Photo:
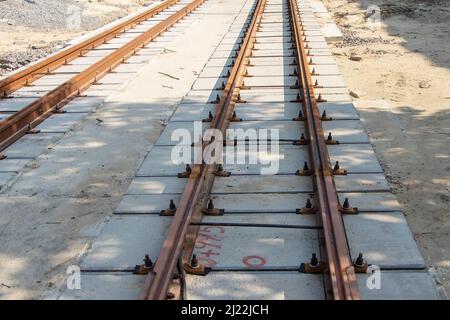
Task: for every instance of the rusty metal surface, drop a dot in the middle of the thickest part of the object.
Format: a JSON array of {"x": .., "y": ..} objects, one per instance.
[
  {"x": 29, "y": 117},
  {"x": 158, "y": 280},
  {"x": 337, "y": 254}
]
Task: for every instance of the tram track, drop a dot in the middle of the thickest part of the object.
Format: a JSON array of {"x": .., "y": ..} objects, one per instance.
[{"x": 227, "y": 230}]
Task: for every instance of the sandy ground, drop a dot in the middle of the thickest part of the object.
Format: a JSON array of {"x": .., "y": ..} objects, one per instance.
[{"x": 403, "y": 84}]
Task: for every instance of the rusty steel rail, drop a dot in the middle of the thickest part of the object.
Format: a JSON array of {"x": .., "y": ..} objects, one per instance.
[
  {"x": 46, "y": 66},
  {"x": 337, "y": 254},
  {"x": 160, "y": 276},
  {"x": 15, "y": 126}
]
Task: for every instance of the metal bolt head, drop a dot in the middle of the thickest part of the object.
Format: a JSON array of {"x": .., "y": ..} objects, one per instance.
[
  {"x": 210, "y": 204},
  {"x": 305, "y": 166},
  {"x": 194, "y": 261},
  {"x": 308, "y": 204},
  {"x": 346, "y": 204},
  {"x": 360, "y": 260},
  {"x": 172, "y": 205},
  {"x": 314, "y": 261}
]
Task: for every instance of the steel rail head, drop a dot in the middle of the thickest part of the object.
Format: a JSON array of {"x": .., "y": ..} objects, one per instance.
[
  {"x": 338, "y": 259},
  {"x": 15, "y": 126},
  {"x": 157, "y": 281},
  {"x": 33, "y": 72}
]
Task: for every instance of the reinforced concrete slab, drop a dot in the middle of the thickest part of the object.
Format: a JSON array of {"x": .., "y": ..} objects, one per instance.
[
  {"x": 361, "y": 182},
  {"x": 60, "y": 122},
  {"x": 346, "y": 131},
  {"x": 324, "y": 69},
  {"x": 106, "y": 286},
  {"x": 383, "y": 238},
  {"x": 6, "y": 178},
  {"x": 399, "y": 285},
  {"x": 12, "y": 165},
  {"x": 159, "y": 162},
  {"x": 268, "y": 111},
  {"x": 322, "y": 60},
  {"x": 335, "y": 81},
  {"x": 14, "y": 104},
  {"x": 260, "y": 202},
  {"x": 287, "y": 130},
  {"x": 286, "y": 160},
  {"x": 215, "y": 72},
  {"x": 355, "y": 158},
  {"x": 124, "y": 240},
  {"x": 83, "y": 105},
  {"x": 255, "y": 286},
  {"x": 193, "y": 112},
  {"x": 31, "y": 146},
  {"x": 247, "y": 247},
  {"x": 272, "y": 70},
  {"x": 201, "y": 96},
  {"x": 371, "y": 202},
  {"x": 286, "y": 219},
  {"x": 156, "y": 185},
  {"x": 268, "y": 81},
  {"x": 262, "y": 184},
  {"x": 148, "y": 203},
  {"x": 338, "y": 97},
  {"x": 258, "y": 96},
  {"x": 339, "y": 110},
  {"x": 178, "y": 130}
]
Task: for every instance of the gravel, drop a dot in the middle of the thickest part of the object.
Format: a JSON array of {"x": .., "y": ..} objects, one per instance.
[
  {"x": 51, "y": 14},
  {"x": 12, "y": 60}
]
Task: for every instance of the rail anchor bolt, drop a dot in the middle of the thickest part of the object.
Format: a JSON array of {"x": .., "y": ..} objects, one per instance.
[
  {"x": 169, "y": 211},
  {"x": 196, "y": 268},
  {"x": 211, "y": 211},
  {"x": 186, "y": 173},
  {"x": 330, "y": 139},
  {"x": 145, "y": 267},
  {"x": 209, "y": 119},
  {"x": 235, "y": 118},
  {"x": 320, "y": 98},
  {"x": 360, "y": 264},
  {"x": 296, "y": 85},
  {"x": 297, "y": 99},
  {"x": 338, "y": 171},
  {"x": 217, "y": 100},
  {"x": 314, "y": 266},
  {"x": 308, "y": 209},
  {"x": 302, "y": 141},
  {"x": 346, "y": 209},
  {"x": 220, "y": 172},
  {"x": 324, "y": 116},
  {"x": 305, "y": 171},
  {"x": 299, "y": 117}
]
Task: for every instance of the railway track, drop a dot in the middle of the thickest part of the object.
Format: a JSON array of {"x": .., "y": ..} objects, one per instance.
[
  {"x": 43, "y": 88},
  {"x": 297, "y": 223}
]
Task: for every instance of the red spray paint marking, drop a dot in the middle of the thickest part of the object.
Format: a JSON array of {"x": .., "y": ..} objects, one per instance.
[{"x": 254, "y": 261}]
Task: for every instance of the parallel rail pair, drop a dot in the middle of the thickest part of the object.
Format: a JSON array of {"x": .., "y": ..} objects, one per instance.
[{"x": 339, "y": 269}]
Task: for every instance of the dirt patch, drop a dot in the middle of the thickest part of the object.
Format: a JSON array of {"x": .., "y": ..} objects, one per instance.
[{"x": 400, "y": 71}]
